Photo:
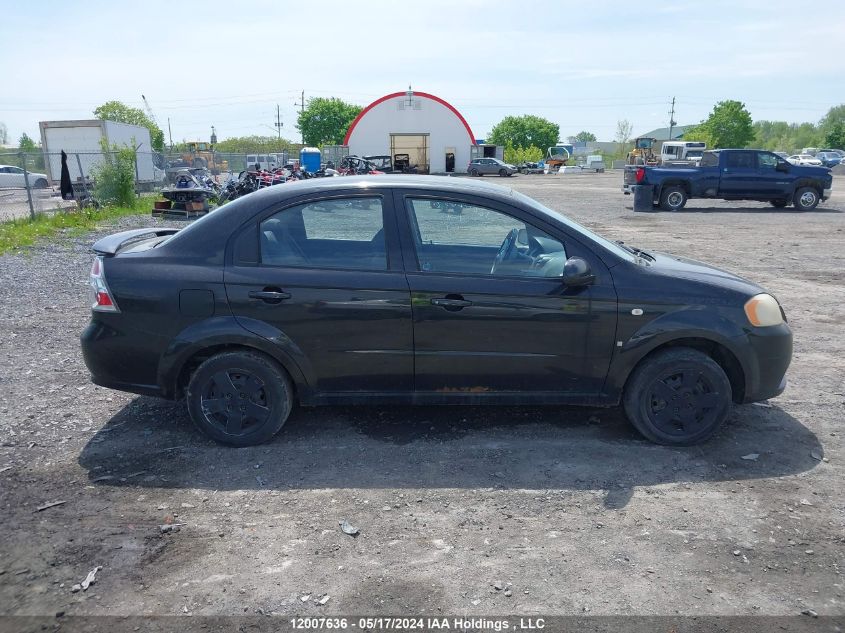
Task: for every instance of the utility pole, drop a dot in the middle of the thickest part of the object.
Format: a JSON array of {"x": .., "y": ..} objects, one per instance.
[
  {"x": 170, "y": 134},
  {"x": 278, "y": 123},
  {"x": 301, "y": 104},
  {"x": 672, "y": 122}
]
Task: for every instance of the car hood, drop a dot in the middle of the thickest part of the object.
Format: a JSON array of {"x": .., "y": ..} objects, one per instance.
[{"x": 683, "y": 268}]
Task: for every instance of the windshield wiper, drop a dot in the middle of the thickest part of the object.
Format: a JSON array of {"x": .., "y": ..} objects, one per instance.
[{"x": 635, "y": 251}]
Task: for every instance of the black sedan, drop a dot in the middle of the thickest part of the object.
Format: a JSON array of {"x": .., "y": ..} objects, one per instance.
[{"x": 422, "y": 290}]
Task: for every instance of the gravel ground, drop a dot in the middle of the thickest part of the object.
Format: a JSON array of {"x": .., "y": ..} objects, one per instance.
[{"x": 461, "y": 510}]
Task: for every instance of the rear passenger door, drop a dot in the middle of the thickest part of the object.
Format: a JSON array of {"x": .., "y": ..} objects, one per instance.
[
  {"x": 739, "y": 177},
  {"x": 323, "y": 279}
]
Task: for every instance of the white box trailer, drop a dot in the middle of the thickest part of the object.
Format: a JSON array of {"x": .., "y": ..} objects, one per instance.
[{"x": 83, "y": 138}]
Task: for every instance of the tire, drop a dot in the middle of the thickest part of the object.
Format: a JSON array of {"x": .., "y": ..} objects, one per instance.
[
  {"x": 40, "y": 184},
  {"x": 779, "y": 204},
  {"x": 473, "y": 172},
  {"x": 806, "y": 199},
  {"x": 694, "y": 382},
  {"x": 673, "y": 199},
  {"x": 503, "y": 172},
  {"x": 248, "y": 377}
]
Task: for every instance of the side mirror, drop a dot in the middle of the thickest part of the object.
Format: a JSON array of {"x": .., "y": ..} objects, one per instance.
[
  {"x": 577, "y": 272},
  {"x": 782, "y": 166}
]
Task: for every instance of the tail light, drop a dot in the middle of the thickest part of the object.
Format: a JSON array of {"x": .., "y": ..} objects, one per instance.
[
  {"x": 101, "y": 297},
  {"x": 640, "y": 174}
]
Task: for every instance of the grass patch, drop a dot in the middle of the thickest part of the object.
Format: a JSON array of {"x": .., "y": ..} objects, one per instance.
[{"x": 21, "y": 232}]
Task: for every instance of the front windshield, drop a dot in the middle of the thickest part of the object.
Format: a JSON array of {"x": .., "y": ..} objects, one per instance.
[{"x": 613, "y": 247}]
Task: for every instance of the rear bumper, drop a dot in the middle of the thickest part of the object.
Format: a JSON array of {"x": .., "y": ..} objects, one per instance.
[
  {"x": 626, "y": 189},
  {"x": 115, "y": 363},
  {"x": 770, "y": 352}
]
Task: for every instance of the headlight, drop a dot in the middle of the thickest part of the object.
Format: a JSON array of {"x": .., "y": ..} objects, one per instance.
[{"x": 763, "y": 310}]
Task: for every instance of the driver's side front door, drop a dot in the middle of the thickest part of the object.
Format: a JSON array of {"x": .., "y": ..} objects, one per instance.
[{"x": 484, "y": 331}]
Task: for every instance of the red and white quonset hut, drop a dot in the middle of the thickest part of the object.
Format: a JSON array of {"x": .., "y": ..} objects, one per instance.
[{"x": 431, "y": 131}]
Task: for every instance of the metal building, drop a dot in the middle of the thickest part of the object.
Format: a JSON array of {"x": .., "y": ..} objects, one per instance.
[{"x": 430, "y": 131}]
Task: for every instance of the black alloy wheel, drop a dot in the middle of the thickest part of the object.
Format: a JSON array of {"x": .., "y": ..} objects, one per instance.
[
  {"x": 239, "y": 398},
  {"x": 678, "y": 396}
]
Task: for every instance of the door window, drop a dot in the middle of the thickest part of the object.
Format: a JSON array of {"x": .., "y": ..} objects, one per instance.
[
  {"x": 460, "y": 237},
  {"x": 767, "y": 161},
  {"x": 740, "y": 160},
  {"x": 344, "y": 233}
]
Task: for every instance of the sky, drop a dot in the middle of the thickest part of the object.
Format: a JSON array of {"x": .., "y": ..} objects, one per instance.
[{"x": 582, "y": 65}]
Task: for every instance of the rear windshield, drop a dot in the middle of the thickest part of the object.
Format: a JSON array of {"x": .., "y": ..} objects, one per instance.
[{"x": 709, "y": 159}]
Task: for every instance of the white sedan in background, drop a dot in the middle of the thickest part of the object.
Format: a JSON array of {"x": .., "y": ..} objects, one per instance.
[
  {"x": 804, "y": 159},
  {"x": 11, "y": 176}
]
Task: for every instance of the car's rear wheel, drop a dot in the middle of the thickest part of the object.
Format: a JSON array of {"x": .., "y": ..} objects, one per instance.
[
  {"x": 673, "y": 199},
  {"x": 780, "y": 204},
  {"x": 240, "y": 398},
  {"x": 806, "y": 199},
  {"x": 678, "y": 397},
  {"x": 473, "y": 172}
]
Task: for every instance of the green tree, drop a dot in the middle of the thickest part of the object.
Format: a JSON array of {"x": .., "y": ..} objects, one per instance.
[
  {"x": 789, "y": 137},
  {"x": 26, "y": 144},
  {"x": 122, "y": 113},
  {"x": 324, "y": 121},
  {"x": 729, "y": 125},
  {"x": 114, "y": 176},
  {"x": 585, "y": 137},
  {"x": 525, "y": 131},
  {"x": 253, "y": 144},
  {"x": 835, "y": 115},
  {"x": 835, "y": 138},
  {"x": 518, "y": 155}
]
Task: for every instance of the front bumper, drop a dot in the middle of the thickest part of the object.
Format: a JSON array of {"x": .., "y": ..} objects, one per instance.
[{"x": 769, "y": 354}]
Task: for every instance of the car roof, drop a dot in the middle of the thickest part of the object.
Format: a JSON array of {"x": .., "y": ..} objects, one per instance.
[{"x": 403, "y": 181}]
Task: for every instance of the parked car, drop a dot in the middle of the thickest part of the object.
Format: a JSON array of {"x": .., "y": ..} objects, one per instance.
[
  {"x": 11, "y": 176},
  {"x": 829, "y": 159},
  {"x": 783, "y": 155},
  {"x": 365, "y": 290},
  {"x": 482, "y": 166},
  {"x": 734, "y": 174},
  {"x": 804, "y": 159}
]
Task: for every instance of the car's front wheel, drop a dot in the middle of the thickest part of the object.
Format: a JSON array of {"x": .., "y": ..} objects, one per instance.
[
  {"x": 473, "y": 172},
  {"x": 678, "y": 397},
  {"x": 806, "y": 199},
  {"x": 41, "y": 183},
  {"x": 503, "y": 172},
  {"x": 239, "y": 398}
]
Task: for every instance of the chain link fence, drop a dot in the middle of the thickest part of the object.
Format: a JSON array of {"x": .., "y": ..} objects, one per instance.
[{"x": 30, "y": 182}]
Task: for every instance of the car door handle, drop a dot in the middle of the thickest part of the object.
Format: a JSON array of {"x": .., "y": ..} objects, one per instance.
[
  {"x": 451, "y": 303},
  {"x": 270, "y": 296}
]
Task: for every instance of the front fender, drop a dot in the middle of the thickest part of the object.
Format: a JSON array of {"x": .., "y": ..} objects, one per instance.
[
  {"x": 218, "y": 332},
  {"x": 713, "y": 325}
]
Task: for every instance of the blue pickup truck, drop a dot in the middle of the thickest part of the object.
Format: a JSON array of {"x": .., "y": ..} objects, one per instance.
[{"x": 735, "y": 174}]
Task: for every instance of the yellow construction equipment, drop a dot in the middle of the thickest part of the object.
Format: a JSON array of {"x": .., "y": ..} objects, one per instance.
[{"x": 643, "y": 152}]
